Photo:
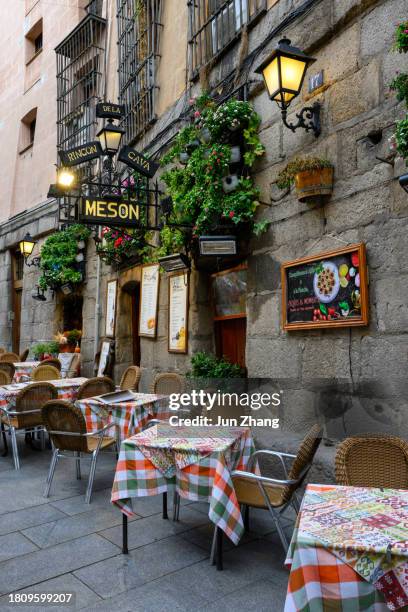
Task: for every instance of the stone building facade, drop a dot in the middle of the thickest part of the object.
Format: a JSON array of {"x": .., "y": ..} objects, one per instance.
[{"x": 351, "y": 41}]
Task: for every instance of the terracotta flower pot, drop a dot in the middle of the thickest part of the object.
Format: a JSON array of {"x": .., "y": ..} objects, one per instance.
[{"x": 312, "y": 185}]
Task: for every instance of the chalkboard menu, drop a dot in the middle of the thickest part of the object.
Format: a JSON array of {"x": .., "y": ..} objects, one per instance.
[{"x": 326, "y": 290}]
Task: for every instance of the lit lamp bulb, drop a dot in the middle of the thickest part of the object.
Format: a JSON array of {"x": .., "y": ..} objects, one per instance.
[{"x": 65, "y": 178}]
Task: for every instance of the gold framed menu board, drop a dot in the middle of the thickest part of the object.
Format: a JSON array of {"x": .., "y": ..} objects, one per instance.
[
  {"x": 326, "y": 290},
  {"x": 178, "y": 312},
  {"x": 149, "y": 298}
]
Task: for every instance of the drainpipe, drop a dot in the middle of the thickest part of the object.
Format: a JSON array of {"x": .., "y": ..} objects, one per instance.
[{"x": 97, "y": 301}]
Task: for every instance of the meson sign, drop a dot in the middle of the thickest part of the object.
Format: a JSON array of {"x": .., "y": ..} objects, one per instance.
[{"x": 113, "y": 212}]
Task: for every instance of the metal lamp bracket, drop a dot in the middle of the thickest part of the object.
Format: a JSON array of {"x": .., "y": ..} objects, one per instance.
[{"x": 308, "y": 119}]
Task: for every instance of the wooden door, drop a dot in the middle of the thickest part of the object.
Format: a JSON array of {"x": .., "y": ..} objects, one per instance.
[{"x": 230, "y": 340}]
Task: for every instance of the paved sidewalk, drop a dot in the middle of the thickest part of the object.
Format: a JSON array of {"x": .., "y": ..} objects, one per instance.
[{"x": 63, "y": 545}]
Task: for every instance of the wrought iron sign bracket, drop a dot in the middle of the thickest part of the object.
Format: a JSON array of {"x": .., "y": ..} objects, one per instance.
[{"x": 308, "y": 119}]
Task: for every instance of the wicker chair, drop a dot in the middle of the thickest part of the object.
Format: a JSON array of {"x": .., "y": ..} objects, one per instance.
[
  {"x": 130, "y": 379},
  {"x": 95, "y": 386},
  {"x": 4, "y": 378},
  {"x": 8, "y": 368},
  {"x": 66, "y": 426},
  {"x": 9, "y": 357},
  {"x": 52, "y": 361},
  {"x": 24, "y": 355},
  {"x": 45, "y": 372},
  {"x": 2, "y": 350},
  {"x": 167, "y": 383},
  {"x": 27, "y": 412},
  {"x": 272, "y": 494},
  {"x": 372, "y": 460}
]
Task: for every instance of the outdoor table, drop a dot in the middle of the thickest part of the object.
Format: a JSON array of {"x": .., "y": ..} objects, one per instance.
[
  {"x": 24, "y": 369},
  {"x": 130, "y": 417},
  {"x": 349, "y": 550},
  {"x": 198, "y": 461},
  {"x": 67, "y": 390}
]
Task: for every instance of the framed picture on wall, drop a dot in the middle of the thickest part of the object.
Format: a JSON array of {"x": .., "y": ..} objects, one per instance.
[
  {"x": 178, "y": 313},
  {"x": 110, "y": 321},
  {"x": 326, "y": 290},
  {"x": 149, "y": 299}
]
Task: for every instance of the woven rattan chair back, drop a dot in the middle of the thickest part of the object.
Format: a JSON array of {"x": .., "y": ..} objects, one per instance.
[
  {"x": 167, "y": 383},
  {"x": 4, "y": 378},
  {"x": 2, "y": 350},
  {"x": 95, "y": 386},
  {"x": 24, "y": 355},
  {"x": 59, "y": 415},
  {"x": 33, "y": 397},
  {"x": 45, "y": 372},
  {"x": 52, "y": 361},
  {"x": 130, "y": 379},
  {"x": 304, "y": 456},
  {"x": 9, "y": 357},
  {"x": 8, "y": 368},
  {"x": 372, "y": 460}
]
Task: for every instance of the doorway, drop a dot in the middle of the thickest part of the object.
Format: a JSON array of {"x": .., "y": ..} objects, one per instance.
[
  {"x": 132, "y": 288},
  {"x": 17, "y": 295}
]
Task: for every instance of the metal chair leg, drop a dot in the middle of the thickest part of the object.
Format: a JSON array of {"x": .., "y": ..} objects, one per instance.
[
  {"x": 78, "y": 465},
  {"x": 3, "y": 433},
  {"x": 53, "y": 465},
  {"x": 91, "y": 478},
  {"x": 220, "y": 534},
  {"x": 14, "y": 446},
  {"x": 281, "y": 532},
  {"x": 165, "y": 515},
  {"x": 125, "y": 549},
  {"x": 213, "y": 547},
  {"x": 42, "y": 439}
]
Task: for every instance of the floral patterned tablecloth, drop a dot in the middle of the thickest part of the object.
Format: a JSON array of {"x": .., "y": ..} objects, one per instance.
[
  {"x": 67, "y": 390},
  {"x": 197, "y": 460},
  {"x": 349, "y": 550},
  {"x": 130, "y": 417},
  {"x": 24, "y": 370}
]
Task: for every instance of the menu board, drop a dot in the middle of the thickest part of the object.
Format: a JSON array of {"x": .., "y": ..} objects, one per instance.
[
  {"x": 110, "y": 308},
  {"x": 178, "y": 313},
  {"x": 229, "y": 290},
  {"x": 149, "y": 295},
  {"x": 103, "y": 359},
  {"x": 326, "y": 290}
]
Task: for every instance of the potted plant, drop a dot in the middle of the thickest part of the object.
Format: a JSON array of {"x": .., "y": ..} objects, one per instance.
[
  {"x": 401, "y": 37},
  {"x": 312, "y": 176},
  {"x": 209, "y": 367},
  {"x": 400, "y": 85},
  {"x": 401, "y": 138},
  {"x": 39, "y": 350}
]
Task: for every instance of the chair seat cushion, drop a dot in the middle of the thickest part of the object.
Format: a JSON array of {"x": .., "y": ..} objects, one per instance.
[
  {"x": 249, "y": 493},
  {"x": 93, "y": 443},
  {"x": 13, "y": 421}
]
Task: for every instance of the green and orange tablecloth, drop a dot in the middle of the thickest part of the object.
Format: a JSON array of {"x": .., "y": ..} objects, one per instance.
[
  {"x": 24, "y": 369},
  {"x": 198, "y": 461},
  {"x": 67, "y": 390},
  {"x": 349, "y": 551}
]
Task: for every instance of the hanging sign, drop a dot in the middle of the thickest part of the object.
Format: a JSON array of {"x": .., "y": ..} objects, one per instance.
[
  {"x": 149, "y": 298},
  {"x": 81, "y": 154},
  {"x": 109, "y": 211},
  {"x": 178, "y": 313},
  {"x": 107, "y": 110},
  {"x": 326, "y": 290},
  {"x": 138, "y": 161}
]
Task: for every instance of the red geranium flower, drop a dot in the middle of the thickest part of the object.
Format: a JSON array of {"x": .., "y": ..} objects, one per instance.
[
  {"x": 232, "y": 214},
  {"x": 118, "y": 242}
]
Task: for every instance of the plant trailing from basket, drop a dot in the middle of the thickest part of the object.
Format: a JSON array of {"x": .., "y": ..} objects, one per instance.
[
  {"x": 401, "y": 37},
  {"x": 58, "y": 257},
  {"x": 208, "y": 366},
  {"x": 286, "y": 177},
  {"x": 401, "y": 138},
  {"x": 200, "y": 204},
  {"x": 117, "y": 245},
  {"x": 400, "y": 85}
]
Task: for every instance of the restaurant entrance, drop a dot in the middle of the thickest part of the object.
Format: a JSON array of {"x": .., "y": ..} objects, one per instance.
[{"x": 132, "y": 288}]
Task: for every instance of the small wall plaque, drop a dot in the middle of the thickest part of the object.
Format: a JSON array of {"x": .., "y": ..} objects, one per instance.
[{"x": 315, "y": 81}]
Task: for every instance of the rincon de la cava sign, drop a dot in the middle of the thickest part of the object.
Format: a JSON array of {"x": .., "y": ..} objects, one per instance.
[
  {"x": 81, "y": 154},
  {"x": 109, "y": 212},
  {"x": 108, "y": 110},
  {"x": 138, "y": 161}
]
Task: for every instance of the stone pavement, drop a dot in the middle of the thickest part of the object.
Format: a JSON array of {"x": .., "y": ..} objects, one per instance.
[{"x": 63, "y": 545}]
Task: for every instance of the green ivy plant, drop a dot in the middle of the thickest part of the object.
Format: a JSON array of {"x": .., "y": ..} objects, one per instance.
[
  {"x": 401, "y": 37},
  {"x": 400, "y": 85},
  {"x": 401, "y": 138},
  {"x": 286, "y": 177},
  {"x": 58, "y": 265},
  {"x": 200, "y": 204}
]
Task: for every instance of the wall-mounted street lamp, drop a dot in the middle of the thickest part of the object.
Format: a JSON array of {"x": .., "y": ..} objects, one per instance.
[
  {"x": 284, "y": 72},
  {"x": 403, "y": 181},
  {"x": 65, "y": 178},
  {"x": 109, "y": 137},
  {"x": 27, "y": 245}
]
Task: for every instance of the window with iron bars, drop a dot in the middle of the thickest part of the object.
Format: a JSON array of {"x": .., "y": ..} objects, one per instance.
[
  {"x": 139, "y": 29},
  {"x": 215, "y": 24},
  {"x": 80, "y": 69}
]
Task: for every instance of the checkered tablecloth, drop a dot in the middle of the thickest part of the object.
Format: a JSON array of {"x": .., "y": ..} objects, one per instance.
[
  {"x": 67, "y": 389},
  {"x": 24, "y": 369},
  {"x": 349, "y": 551},
  {"x": 197, "y": 460},
  {"x": 130, "y": 417}
]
